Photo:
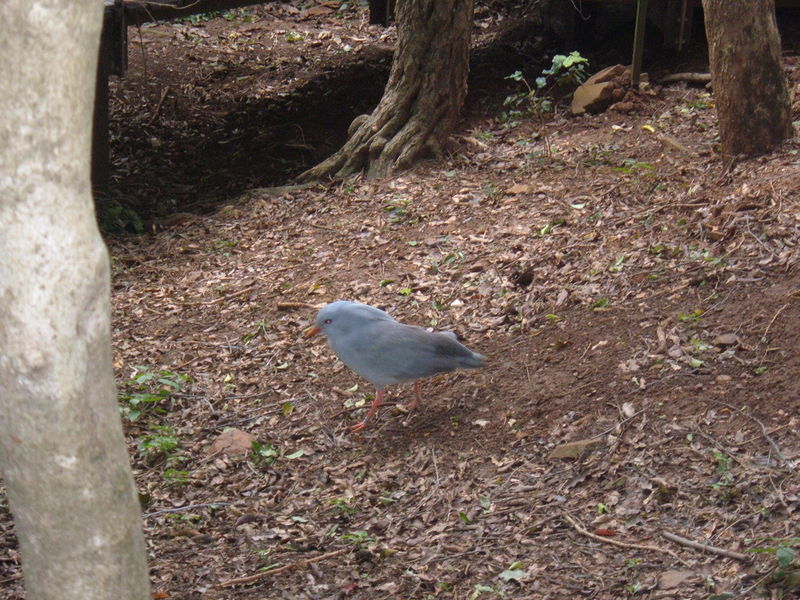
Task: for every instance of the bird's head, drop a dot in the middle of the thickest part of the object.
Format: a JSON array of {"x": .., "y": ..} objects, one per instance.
[{"x": 342, "y": 315}]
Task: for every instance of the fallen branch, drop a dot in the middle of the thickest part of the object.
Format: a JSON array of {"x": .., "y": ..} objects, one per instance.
[
  {"x": 613, "y": 542},
  {"x": 690, "y": 77},
  {"x": 295, "y": 565},
  {"x": 705, "y": 547}
]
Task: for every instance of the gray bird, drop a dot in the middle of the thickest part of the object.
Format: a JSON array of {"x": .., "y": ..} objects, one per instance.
[{"x": 385, "y": 352}]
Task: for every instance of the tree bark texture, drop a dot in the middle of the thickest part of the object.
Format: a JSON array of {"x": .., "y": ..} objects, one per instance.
[
  {"x": 750, "y": 89},
  {"x": 62, "y": 451},
  {"x": 422, "y": 99}
]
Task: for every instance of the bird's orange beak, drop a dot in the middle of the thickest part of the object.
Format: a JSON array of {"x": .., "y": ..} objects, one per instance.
[{"x": 312, "y": 331}]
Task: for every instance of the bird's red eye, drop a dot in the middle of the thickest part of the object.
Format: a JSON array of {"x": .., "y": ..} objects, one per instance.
[{"x": 327, "y": 321}]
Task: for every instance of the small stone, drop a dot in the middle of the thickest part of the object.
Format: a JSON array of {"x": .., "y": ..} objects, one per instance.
[
  {"x": 592, "y": 97},
  {"x": 608, "y": 74},
  {"x": 574, "y": 449},
  {"x": 232, "y": 442},
  {"x": 726, "y": 339},
  {"x": 675, "y": 352}
]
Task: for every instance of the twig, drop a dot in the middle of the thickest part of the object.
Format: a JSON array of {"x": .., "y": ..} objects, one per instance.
[
  {"x": 780, "y": 310},
  {"x": 295, "y": 565},
  {"x": 613, "y": 542},
  {"x": 763, "y": 429},
  {"x": 152, "y": 118},
  {"x": 187, "y": 507},
  {"x": 705, "y": 547}
]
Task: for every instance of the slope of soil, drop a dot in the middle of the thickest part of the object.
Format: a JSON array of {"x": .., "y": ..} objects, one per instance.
[{"x": 634, "y": 296}]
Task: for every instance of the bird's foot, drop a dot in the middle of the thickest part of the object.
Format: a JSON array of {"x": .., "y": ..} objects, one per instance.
[
  {"x": 358, "y": 426},
  {"x": 407, "y": 408}
]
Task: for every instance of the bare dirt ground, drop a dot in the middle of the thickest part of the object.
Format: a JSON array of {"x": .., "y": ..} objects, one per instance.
[{"x": 633, "y": 294}]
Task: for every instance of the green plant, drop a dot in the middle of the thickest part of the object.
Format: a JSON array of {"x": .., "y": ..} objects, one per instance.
[
  {"x": 160, "y": 442},
  {"x": 198, "y": 18},
  {"x": 786, "y": 571},
  {"x": 565, "y": 71},
  {"x": 114, "y": 217},
  {"x": 345, "y": 504},
  {"x": 264, "y": 452},
  {"x": 358, "y": 538},
  {"x": 631, "y": 165},
  {"x": 692, "y": 317},
  {"x": 260, "y": 328},
  {"x": 176, "y": 477},
  {"x": 633, "y": 588},
  {"x": 147, "y": 391},
  {"x": 723, "y": 486}
]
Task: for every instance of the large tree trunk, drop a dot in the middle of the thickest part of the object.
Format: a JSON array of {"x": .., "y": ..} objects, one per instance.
[
  {"x": 423, "y": 98},
  {"x": 750, "y": 89},
  {"x": 62, "y": 451}
]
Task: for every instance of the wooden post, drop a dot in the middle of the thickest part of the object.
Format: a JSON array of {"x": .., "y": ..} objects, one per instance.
[{"x": 638, "y": 41}]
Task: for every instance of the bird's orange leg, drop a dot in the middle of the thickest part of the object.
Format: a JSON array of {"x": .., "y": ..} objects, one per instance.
[
  {"x": 372, "y": 410},
  {"x": 417, "y": 397}
]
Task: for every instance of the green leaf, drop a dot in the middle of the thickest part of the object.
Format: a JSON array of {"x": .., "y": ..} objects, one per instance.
[
  {"x": 785, "y": 556},
  {"x": 287, "y": 408},
  {"x": 464, "y": 518},
  {"x": 480, "y": 589},
  {"x": 405, "y": 291},
  {"x": 294, "y": 455},
  {"x": 513, "y": 575}
]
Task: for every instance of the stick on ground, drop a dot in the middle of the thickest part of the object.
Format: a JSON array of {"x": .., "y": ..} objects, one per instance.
[
  {"x": 705, "y": 547},
  {"x": 607, "y": 540}
]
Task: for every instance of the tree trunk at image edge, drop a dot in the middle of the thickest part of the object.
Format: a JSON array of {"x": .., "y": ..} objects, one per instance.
[
  {"x": 423, "y": 97},
  {"x": 750, "y": 90},
  {"x": 62, "y": 452}
]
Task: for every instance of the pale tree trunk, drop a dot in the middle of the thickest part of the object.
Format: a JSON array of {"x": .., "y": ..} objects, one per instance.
[
  {"x": 423, "y": 97},
  {"x": 62, "y": 452},
  {"x": 750, "y": 90}
]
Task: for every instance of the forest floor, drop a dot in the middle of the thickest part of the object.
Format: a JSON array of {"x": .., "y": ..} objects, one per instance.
[{"x": 637, "y": 298}]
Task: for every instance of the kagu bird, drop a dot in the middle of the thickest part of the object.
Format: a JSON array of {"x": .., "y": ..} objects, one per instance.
[{"x": 385, "y": 352}]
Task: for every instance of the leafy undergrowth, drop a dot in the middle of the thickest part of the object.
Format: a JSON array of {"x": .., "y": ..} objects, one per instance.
[{"x": 635, "y": 299}]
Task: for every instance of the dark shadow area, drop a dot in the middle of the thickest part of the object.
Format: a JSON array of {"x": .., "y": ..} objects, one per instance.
[{"x": 195, "y": 158}]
